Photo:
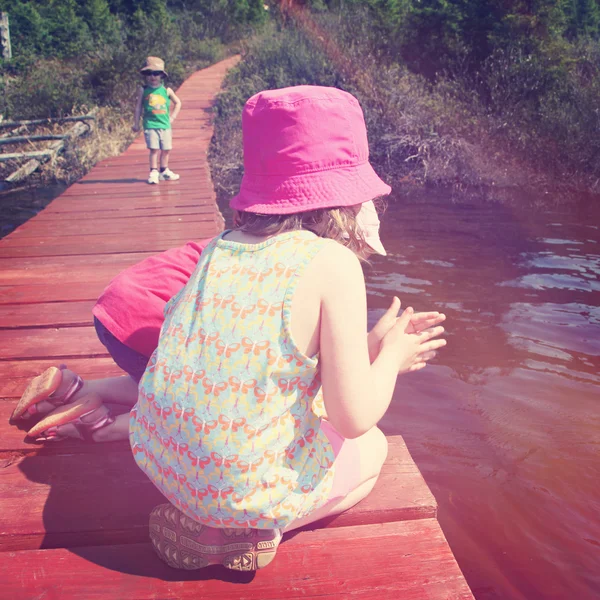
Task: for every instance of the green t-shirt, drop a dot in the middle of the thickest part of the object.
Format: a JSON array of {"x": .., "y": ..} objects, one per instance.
[{"x": 156, "y": 104}]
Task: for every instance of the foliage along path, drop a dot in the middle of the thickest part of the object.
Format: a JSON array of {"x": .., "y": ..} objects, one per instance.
[{"x": 74, "y": 515}]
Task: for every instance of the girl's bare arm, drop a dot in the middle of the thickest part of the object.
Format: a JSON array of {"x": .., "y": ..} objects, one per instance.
[{"x": 356, "y": 392}]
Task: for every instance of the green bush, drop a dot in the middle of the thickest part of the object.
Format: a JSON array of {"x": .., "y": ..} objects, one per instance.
[
  {"x": 523, "y": 77},
  {"x": 49, "y": 89}
]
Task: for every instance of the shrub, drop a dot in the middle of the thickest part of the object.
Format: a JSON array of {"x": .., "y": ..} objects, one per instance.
[{"x": 51, "y": 89}]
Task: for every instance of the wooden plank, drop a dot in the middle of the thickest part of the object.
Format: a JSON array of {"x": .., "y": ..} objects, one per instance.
[
  {"x": 58, "y": 270},
  {"x": 137, "y": 154},
  {"x": 103, "y": 202},
  {"x": 407, "y": 561},
  {"x": 106, "y": 173},
  {"x": 82, "y": 245},
  {"x": 48, "y": 314},
  {"x": 55, "y": 501},
  {"x": 88, "y": 498},
  {"x": 120, "y": 181},
  {"x": 48, "y": 238},
  {"x": 112, "y": 199},
  {"x": 58, "y": 343},
  {"x": 23, "y": 171},
  {"x": 180, "y": 229},
  {"x": 15, "y": 375},
  {"x": 50, "y": 292},
  {"x": 164, "y": 199},
  {"x": 132, "y": 171},
  {"x": 121, "y": 213},
  {"x": 113, "y": 195},
  {"x": 107, "y": 226}
]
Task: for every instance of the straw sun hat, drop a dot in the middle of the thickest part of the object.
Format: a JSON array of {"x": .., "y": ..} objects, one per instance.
[{"x": 153, "y": 63}]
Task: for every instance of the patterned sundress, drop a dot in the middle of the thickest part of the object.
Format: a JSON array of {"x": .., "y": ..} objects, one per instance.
[{"x": 228, "y": 419}]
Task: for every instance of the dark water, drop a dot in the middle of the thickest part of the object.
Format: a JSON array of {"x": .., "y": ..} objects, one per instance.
[{"x": 505, "y": 427}]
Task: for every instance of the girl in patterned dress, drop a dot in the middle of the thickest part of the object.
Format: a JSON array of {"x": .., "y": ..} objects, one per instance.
[{"x": 257, "y": 412}]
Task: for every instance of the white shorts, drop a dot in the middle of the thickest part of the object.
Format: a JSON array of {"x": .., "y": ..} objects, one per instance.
[{"x": 158, "y": 139}]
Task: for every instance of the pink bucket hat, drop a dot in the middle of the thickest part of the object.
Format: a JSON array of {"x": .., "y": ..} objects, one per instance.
[{"x": 305, "y": 148}]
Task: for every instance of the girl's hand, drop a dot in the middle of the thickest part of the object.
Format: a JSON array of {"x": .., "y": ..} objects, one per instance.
[
  {"x": 425, "y": 320},
  {"x": 411, "y": 350},
  {"x": 419, "y": 322},
  {"x": 387, "y": 321}
]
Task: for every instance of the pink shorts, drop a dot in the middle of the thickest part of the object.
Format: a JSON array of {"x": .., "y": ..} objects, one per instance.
[{"x": 347, "y": 475}]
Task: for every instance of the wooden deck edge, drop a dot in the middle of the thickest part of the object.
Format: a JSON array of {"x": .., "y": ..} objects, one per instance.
[{"x": 408, "y": 560}]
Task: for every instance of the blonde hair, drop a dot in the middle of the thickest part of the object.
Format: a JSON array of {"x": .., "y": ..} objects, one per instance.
[{"x": 337, "y": 224}]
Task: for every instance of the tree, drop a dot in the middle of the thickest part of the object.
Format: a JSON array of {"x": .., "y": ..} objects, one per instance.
[{"x": 103, "y": 25}]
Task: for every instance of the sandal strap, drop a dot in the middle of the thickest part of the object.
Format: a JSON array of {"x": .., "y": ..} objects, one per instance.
[
  {"x": 85, "y": 429},
  {"x": 88, "y": 428},
  {"x": 73, "y": 388}
]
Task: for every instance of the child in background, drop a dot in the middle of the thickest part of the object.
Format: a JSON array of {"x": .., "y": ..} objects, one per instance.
[
  {"x": 153, "y": 104},
  {"x": 257, "y": 413}
]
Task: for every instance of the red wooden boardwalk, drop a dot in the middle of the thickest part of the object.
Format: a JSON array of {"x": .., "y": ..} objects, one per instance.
[{"x": 73, "y": 516}]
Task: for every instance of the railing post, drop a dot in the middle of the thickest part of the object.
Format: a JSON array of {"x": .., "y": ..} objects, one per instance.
[{"x": 5, "y": 36}]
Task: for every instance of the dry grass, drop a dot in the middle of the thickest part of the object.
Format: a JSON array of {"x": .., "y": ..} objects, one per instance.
[{"x": 109, "y": 134}]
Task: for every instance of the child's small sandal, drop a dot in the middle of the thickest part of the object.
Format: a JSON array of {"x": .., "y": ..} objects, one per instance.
[
  {"x": 87, "y": 416},
  {"x": 43, "y": 388},
  {"x": 186, "y": 544}
]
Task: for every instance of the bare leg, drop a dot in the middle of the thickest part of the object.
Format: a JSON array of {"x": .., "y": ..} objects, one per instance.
[
  {"x": 164, "y": 159},
  {"x": 119, "y": 430},
  {"x": 154, "y": 159},
  {"x": 373, "y": 452},
  {"x": 116, "y": 390}
]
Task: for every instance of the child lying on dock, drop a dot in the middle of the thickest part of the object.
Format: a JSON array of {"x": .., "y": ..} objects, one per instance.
[
  {"x": 264, "y": 392},
  {"x": 127, "y": 317}
]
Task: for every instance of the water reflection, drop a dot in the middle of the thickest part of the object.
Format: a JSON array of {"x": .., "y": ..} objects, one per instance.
[{"x": 505, "y": 426}]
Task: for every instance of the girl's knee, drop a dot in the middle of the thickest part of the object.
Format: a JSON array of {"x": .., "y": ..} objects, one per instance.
[
  {"x": 373, "y": 452},
  {"x": 380, "y": 444}
]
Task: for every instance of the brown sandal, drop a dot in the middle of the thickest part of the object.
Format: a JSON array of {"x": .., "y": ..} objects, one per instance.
[
  {"x": 42, "y": 388},
  {"x": 48, "y": 429}
]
